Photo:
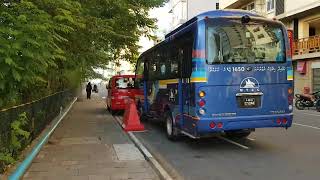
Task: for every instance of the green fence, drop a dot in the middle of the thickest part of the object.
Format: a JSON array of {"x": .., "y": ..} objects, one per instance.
[{"x": 21, "y": 124}]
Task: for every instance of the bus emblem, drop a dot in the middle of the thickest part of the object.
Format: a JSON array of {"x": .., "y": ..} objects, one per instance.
[{"x": 249, "y": 83}]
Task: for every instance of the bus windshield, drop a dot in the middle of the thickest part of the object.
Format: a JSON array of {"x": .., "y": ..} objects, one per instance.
[{"x": 229, "y": 41}]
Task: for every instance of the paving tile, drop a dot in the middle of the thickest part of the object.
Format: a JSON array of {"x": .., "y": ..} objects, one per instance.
[
  {"x": 88, "y": 145},
  {"x": 99, "y": 177}
]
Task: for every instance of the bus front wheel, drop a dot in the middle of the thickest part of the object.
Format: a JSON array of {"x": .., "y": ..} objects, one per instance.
[
  {"x": 238, "y": 134},
  {"x": 172, "y": 132}
]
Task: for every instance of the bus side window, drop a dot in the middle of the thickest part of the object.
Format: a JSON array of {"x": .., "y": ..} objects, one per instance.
[{"x": 174, "y": 62}]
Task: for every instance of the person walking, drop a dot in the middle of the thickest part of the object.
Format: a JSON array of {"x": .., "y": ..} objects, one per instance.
[{"x": 89, "y": 89}]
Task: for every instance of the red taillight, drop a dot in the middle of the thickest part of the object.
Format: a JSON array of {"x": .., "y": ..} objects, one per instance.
[
  {"x": 212, "y": 125},
  {"x": 284, "y": 121},
  {"x": 290, "y": 99},
  {"x": 290, "y": 39},
  {"x": 202, "y": 103},
  {"x": 278, "y": 121},
  {"x": 220, "y": 125}
]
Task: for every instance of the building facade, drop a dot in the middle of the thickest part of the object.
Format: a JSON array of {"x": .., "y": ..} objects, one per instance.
[
  {"x": 303, "y": 17},
  {"x": 184, "y": 10}
]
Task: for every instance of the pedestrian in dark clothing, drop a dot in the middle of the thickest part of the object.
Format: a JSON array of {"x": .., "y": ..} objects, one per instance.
[{"x": 89, "y": 89}]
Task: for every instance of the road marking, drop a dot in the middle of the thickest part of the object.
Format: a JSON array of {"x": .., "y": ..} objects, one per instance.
[
  {"x": 318, "y": 128},
  {"x": 310, "y": 114},
  {"x": 233, "y": 142}
]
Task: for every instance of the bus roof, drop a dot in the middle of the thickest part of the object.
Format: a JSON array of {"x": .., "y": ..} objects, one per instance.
[
  {"x": 209, "y": 14},
  {"x": 212, "y": 14}
]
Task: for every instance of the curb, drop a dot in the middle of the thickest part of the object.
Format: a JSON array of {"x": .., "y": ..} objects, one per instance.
[
  {"x": 24, "y": 165},
  {"x": 155, "y": 164}
]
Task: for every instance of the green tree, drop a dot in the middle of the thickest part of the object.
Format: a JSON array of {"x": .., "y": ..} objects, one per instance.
[{"x": 47, "y": 46}]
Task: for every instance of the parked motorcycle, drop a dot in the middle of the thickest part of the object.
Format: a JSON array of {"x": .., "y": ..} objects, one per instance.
[{"x": 306, "y": 101}]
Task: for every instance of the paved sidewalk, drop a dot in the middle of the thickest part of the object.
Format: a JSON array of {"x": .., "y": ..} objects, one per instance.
[{"x": 89, "y": 145}]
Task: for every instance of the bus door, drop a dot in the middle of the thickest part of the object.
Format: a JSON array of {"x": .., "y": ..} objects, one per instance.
[{"x": 186, "y": 89}]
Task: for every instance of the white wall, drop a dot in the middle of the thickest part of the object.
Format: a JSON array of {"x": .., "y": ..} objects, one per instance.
[
  {"x": 293, "y": 5},
  {"x": 183, "y": 10},
  {"x": 196, "y": 7},
  {"x": 225, "y": 3}
]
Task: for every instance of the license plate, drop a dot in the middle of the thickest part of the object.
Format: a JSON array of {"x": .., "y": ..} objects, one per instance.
[{"x": 249, "y": 102}]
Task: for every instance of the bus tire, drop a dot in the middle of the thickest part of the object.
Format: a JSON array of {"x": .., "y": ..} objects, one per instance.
[
  {"x": 172, "y": 132},
  {"x": 238, "y": 134}
]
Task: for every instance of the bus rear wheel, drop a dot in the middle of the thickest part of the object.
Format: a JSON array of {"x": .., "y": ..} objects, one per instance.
[
  {"x": 238, "y": 134},
  {"x": 172, "y": 132}
]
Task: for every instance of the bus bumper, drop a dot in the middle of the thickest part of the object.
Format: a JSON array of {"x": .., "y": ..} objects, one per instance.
[{"x": 246, "y": 122}]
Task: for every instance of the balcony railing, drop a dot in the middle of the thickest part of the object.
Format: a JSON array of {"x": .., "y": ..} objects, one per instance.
[{"x": 306, "y": 45}]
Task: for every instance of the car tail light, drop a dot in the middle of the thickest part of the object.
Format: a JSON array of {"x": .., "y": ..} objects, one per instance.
[
  {"x": 212, "y": 125},
  {"x": 201, "y": 103},
  {"x": 220, "y": 125},
  {"x": 278, "y": 121}
]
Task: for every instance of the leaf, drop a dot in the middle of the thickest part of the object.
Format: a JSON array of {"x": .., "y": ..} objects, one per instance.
[
  {"x": 16, "y": 75},
  {"x": 8, "y": 61}
]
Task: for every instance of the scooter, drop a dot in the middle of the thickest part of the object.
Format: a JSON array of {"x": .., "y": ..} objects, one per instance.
[{"x": 306, "y": 101}]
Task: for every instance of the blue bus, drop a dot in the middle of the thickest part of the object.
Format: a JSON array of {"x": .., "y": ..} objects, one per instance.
[{"x": 222, "y": 72}]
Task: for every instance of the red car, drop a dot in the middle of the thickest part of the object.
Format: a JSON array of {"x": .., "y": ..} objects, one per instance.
[{"x": 121, "y": 87}]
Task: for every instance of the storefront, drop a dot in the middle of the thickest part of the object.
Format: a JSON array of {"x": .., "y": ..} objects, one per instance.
[
  {"x": 306, "y": 75},
  {"x": 316, "y": 76}
]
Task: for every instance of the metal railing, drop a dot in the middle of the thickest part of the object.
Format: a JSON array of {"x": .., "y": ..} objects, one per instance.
[
  {"x": 306, "y": 45},
  {"x": 38, "y": 113}
]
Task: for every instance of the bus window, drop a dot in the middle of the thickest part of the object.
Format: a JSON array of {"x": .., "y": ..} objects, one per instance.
[
  {"x": 140, "y": 67},
  {"x": 233, "y": 42}
]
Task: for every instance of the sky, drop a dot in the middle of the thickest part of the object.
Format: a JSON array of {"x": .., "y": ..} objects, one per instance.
[{"x": 164, "y": 19}]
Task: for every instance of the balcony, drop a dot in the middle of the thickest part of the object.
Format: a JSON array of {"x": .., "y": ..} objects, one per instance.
[{"x": 306, "y": 47}]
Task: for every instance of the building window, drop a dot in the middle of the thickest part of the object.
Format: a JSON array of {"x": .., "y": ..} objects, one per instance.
[
  {"x": 279, "y": 7},
  {"x": 217, "y": 5},
  {"x": 250, "y": 7},
  {"x": 270, "y": 5}
]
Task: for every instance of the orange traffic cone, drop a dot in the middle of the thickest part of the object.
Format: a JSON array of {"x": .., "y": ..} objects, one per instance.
[{"x": 131, "y": 119}]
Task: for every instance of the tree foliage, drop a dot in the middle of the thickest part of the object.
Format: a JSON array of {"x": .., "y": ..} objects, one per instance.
[{"x": 46, "y": 45}]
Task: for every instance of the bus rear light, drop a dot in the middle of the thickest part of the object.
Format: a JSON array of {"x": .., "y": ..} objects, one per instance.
[
  {"x": 278, "y": 121},
  {"x": 201, "y": 103},
  {"x": 212, "y": 125},
  {"x": 220, "y": 125},
  {"x": 290, "y": 39},
  {"x": 202, "y": 111},
  {"x": 202, "y": 94},
  {"x": 290, "y": 100},
  {"x": 284, "y": 121}
]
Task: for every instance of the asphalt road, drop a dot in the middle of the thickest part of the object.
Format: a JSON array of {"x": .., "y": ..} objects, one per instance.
[{"x": 268, "y": 154}]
